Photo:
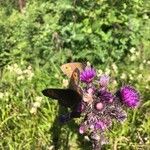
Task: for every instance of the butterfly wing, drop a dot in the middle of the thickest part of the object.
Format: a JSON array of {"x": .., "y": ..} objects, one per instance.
[
  {"x": 74, "y": 81},
  {"x": 66, "y": 97},
  {"x": 68, "y": 68}
]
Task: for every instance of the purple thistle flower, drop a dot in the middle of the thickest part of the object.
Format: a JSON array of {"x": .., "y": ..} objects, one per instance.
[
  {"x": 100, "y": 125},
  {"x": 87, "y": 75},
  {"x": 105, "y": 96},
  {"x": 104, "y": 80},
  {"x": 119, "y": 114},
  {"x": 129, "y": 96}
]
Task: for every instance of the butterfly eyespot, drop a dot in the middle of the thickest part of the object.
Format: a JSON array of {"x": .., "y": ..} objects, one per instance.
[
  {"x": 75, "y": 75},
  {"x": 68, "y": 68}
]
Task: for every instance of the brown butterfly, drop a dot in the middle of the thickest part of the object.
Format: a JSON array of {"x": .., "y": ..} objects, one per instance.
[
  {"x": 68, "y": 68},
  {"x": 70, "y": 97}
]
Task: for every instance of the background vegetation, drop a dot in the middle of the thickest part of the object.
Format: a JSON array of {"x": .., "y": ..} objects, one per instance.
[{"x": 34, "y": 41}]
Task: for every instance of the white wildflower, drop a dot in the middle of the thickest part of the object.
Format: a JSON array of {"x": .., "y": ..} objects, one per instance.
[
  {"x": 10, "y": 68},
  {"x": 123, "y": 76},
  {"x": 115, "y": 68},
  {"x": 133, "y": 71},
  {"x": 56, "y": 76},
  {"x": 144, "y": 61},
  {"x": 147, "y": 87},
  {"x": 65, "y": 83},
  {"x": 18, "y": 71},
  {"x": 141, "y": 67},
  {"x": 36, "y": 104},
  {"x": 131, "y": 77},
  {"x": 1, "y": 95},
  {"x": 100, "y": 72},
  {"x": 133, "y": 58},
  {"x": 114, "y": 82},
  {"x": 29, "y": 68},
  {"x": 88, "y": 64},
  {"x": 137, "y": 53},
  {"x": 145, "y": 16},
  {"x": 33, "y": 110},
  {"x": 21, "y": 77},
  {"x": 140, "y": 76},
  {"x": 148, "y": 62},
  {"x": 25, "y": 71},
  {"x": 107, "y": 71},
  {"x": 15, "y": 66},
  {"x": 38, "y": 99},
  {"x": 148, "y": 78},
  {"x": 6, "y": 94},
  {"x": 30, "y": 76},
  {"x": 132, "y": 50}
]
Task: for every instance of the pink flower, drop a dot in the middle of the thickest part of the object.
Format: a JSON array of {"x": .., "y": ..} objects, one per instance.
[
  {"x": 87, "y": 75},
  {"x": 100, "y": 125},
  {"x": 104, "y": 80}
]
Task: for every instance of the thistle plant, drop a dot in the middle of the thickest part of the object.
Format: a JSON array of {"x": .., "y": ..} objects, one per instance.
[{"x": 100, "y": 107}]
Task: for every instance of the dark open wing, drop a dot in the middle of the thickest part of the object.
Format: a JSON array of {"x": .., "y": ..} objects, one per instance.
[{"x": 66, "y": 97}]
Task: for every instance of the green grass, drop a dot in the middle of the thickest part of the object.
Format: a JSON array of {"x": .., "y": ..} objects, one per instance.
[{"x": 23, "y": 128}]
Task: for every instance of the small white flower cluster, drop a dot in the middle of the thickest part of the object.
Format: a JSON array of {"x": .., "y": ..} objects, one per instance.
[
  {"x": 22, "y": 74},
  {"x": 139, "y": 72},
  {"x": 4, "y": 95},
  {"x": 1, "y": 95},
  {"x": 65, "y": 83},
  {"x": 36, "y": 105},
  {"x": 134, "y": 54}
]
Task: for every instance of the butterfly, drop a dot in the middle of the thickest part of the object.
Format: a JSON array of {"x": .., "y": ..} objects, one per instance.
[
  {"x": 70, "y": 97},
  {"x": 68, "y": 68}
]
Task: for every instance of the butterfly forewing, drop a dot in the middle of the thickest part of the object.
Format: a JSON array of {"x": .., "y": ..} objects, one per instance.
[
  {"x": 66, "y": 97},
  {"x": 68, "y": 68}
]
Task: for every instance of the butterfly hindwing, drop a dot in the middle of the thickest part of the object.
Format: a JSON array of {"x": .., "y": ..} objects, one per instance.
[
  {"x": 66, "y": 97},
  {"x": 74, "y": 81}
]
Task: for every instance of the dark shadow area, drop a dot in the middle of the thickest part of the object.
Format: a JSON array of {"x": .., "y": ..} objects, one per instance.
[{"x": 57, "y": 134}]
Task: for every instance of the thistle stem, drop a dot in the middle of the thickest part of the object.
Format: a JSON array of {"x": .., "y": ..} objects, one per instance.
[{"x": 96, "y": 145}]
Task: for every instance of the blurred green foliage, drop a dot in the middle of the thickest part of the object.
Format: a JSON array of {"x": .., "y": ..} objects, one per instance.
[{"x": 112, "y": 35}]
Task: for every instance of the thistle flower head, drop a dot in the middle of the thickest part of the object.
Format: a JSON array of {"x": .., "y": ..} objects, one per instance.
[
  {"x": 104, "y": 80},
  {"x": 129, "y": 96},
  {"x": 87, "y": 75},
  {"x": 105, "y": 95},
  {"x": 100, "y": 125}
]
